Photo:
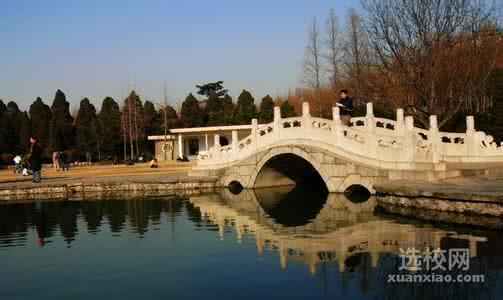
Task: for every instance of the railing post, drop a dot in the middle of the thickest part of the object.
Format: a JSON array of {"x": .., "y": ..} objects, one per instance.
[
  {"x": 434, "y": 137},
  {"x": 216, "y": 146},
  {"x": 336, "y": 115},
  {"x": 399, "y": 122},
  {"x": 216, "y": 141},
  {"x": 472, "y": 142},
  {"x": 180, "y": 146},
  {"x": 336, "y": 126},
  {"x": 409, "y": 140},
  {"x": 235, "y": 143},
  {"x": 370, "y": 138},
  {"x": 306, "y": 115},
  {"x": 369, "y": 117},
  {"x": 370, "y": 109},
  {"x": 277, "y": 122},
  {"x": 254, "y": 132}
]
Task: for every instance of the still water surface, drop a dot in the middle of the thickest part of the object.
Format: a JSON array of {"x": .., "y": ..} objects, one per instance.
[{"x": 274, "y": 243}]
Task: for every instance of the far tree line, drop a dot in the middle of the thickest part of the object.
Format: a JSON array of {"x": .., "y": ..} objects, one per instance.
[{"x": 119, "y": 130}]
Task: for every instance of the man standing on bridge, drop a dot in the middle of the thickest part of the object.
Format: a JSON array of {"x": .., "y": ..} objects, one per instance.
[{"x": 345, "y": 105}]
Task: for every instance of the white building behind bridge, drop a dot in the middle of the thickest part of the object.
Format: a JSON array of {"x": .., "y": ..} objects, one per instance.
[{"x": 190, "y": 142}]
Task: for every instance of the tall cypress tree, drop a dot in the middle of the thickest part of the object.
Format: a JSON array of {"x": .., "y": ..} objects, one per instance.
[
  {"x": 152, "y": 126},
  {"x": 151, "y": 119},
  {"x": 12, "y": 122},
  {"x": 61, "y": 135},
  {"x": 110, "y": 127},
  {"x": 3, "y": 128},
  {"x": 245, "y": 108},
  {"x": 266, "y": 113},
  {"x": 287, "y": 110},
  {"x": 171, "y": 116},
  {"x": 227, "y": 110},
  {"x": 86, "y": 128},
  {"x": 24, "y": 132},
  {"x": 191, "y": 114},
  {"x": 214, "y": 110},
  {"x": 132, "y": 113},
  {"x": 40, "y": 115}
]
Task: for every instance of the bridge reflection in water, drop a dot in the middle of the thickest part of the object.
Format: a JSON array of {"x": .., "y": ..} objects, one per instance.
[
  {"x": 315, "y": 228},
  {"x": 172, "y": 246}
]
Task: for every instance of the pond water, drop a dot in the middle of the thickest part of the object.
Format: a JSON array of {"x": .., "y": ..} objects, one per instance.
[{"x": 281, "y": 243}]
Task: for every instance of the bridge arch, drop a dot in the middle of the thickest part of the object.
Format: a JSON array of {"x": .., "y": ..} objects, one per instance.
[
  {"x": 293, "y": 154},
  {"x": 336, "y": 172},
  {"x": 355, "y": 179}
]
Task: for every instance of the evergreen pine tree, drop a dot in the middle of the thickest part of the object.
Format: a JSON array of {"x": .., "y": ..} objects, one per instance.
[
  {"x": 152, "y": 119},
  {"x": 266, "y": 113},
  {"x": 3, "y": 128},
  {"x": 214, "y": 110},
  {"x": 24, "y": 132},
  {"x": 40, "y": 115},
  {"x": 172, "y": 119},
  {"x": 86, "y": 128},
  {"x": 61, "y": 135},
  {"x": 133, "y": 116},
  {"x": 287, "y": 110},
  {"x": 110, "y": 128},
  {"x": 215, "y": 93},
  {"x": 227, "y": 110},
  {"x": 191, "y": 114},
  {"x": 245, "y": 109},
  {"x": 12, "y": 118}
]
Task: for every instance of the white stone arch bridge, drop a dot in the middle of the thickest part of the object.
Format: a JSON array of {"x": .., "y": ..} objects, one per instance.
[{"x": 366, "y": 152}]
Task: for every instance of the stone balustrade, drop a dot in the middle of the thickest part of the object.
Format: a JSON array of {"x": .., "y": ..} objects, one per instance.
[{"x": 384, "y": 143}]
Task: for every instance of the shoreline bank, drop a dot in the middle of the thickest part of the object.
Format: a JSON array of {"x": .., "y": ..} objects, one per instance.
[
  {"x": 73, "y": 189},
  {"x": 473, "y": 196}
]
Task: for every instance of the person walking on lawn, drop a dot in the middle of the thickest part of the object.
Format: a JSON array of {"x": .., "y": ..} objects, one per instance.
[{"x": 35, "y": 159}]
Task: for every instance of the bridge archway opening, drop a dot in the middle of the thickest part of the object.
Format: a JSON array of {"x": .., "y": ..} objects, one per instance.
[
  {"x": 357, "y": 193},
  {"x": 235, "y": 187},
  {"x": 289, "y": 169}
]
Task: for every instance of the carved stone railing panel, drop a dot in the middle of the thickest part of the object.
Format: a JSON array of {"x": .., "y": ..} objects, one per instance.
[
  {"x": 321, "y": 123},
  {"x": 265, "y": 130},
  {"x": 374, "y": 138},
  {"x": 357, "y": 122},
  {"x": 385, "y": 123}
]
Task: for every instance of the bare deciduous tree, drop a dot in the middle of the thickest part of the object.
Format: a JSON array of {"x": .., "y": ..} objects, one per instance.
[
  {"x": 312, "y": 62},
  {"x": 356, "y": 52},
  {"x": 124, "y": 134},
  {"x": 441, "y": 52},
  {"x": 333, "y": 45}
]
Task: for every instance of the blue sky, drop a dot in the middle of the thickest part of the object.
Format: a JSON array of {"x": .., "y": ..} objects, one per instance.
[{"x": 94, "y": 48}]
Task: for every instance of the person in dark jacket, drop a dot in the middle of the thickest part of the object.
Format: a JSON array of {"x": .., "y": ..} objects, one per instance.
[
  {"x": 35, "y": 159},
  {"x": 64, "y": 160},
  {"x": 346, "y": 107}
]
